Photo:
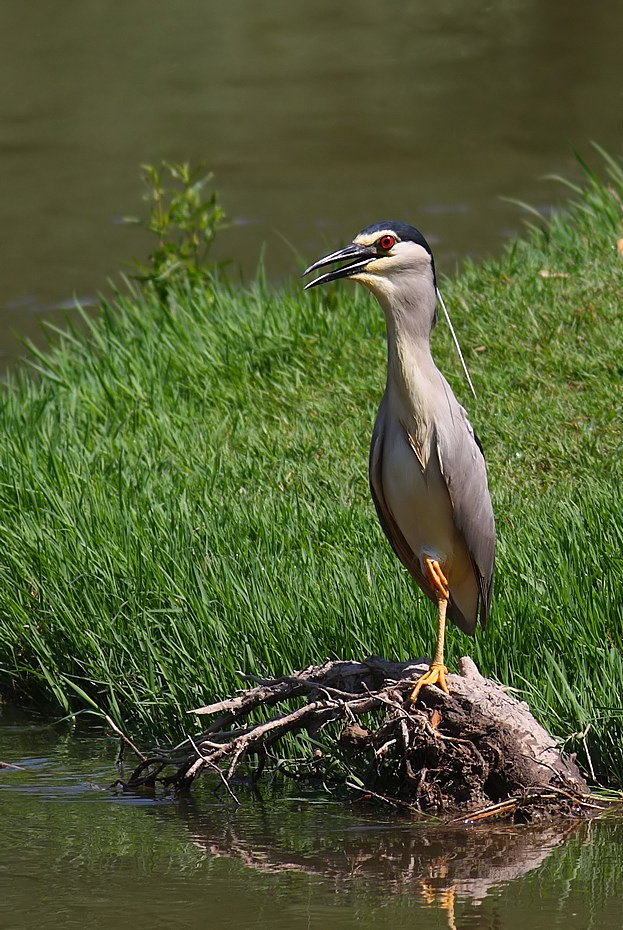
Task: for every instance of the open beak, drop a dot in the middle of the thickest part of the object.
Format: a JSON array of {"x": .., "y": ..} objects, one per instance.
[{"x": 355, "y": 256}]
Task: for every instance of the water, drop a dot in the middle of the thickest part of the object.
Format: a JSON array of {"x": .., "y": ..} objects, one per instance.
[
  {"x": 76, "y": 854},
  {"x": 317, "y": 119}
]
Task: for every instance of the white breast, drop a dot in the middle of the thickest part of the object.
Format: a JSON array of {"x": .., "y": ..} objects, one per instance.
[{"x": 417, "y": 497}]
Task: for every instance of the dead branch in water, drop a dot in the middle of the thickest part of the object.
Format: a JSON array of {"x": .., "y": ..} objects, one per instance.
[{"x": 473, "y": 749}]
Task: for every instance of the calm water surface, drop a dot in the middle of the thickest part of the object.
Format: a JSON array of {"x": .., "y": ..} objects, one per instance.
[
  {"x": 317, "y": 118},
  {"x": 75, "y": 854}
]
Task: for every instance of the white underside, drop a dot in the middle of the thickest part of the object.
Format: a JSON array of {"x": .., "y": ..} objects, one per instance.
[{"x": 417, "y": 497}]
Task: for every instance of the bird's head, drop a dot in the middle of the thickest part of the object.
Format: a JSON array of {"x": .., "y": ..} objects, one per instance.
[{"x": 386, "y": 257}]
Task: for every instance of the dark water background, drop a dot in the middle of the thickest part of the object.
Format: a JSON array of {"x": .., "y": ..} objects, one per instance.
[{"x": 317, "y": 119}]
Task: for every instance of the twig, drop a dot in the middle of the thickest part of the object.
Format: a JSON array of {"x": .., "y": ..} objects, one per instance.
[
  {"x": 486, "y": 812},
  {"x": 211, "y": 765},
  {"x": 582, "y": 800},
  {"x": 393, "y": 802},
  {"x": 126, "y": 739}
]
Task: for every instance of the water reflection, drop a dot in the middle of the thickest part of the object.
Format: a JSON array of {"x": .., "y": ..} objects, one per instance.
[
  {"x": 489, "y": 878},
  {"x": 437, "y": 864},
  {"x": 98, "y": 859}
]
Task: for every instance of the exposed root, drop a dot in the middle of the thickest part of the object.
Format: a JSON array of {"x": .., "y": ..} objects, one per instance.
[{"x": 477, "y": 751}]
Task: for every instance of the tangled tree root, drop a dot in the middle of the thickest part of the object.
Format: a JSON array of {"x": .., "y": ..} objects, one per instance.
[{"x": 476, "y": 751}]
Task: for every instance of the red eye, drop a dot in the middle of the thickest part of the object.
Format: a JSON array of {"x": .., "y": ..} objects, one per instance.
[{"x": 386, "y": 243}]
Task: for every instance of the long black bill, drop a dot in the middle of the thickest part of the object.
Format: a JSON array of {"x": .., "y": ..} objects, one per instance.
[{"x": 356, "y": 257}]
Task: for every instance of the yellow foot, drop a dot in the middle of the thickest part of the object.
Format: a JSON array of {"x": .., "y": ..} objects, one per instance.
[{"x": 436, "y": 675}]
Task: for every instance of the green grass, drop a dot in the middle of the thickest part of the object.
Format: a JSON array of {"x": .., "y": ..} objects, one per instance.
[{"x": 183, "y": 489}]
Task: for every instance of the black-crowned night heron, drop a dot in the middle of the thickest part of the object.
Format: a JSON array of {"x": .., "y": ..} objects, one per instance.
[{"x": 427, "y": 471}]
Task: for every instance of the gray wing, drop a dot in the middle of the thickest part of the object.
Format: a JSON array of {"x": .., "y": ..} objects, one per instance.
[
  {"x": 464, "y": 471},
  {"x": 397, "y": 541}
]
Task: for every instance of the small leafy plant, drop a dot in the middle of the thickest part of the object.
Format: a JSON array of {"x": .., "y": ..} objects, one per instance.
[{"x": 185, "y": 217}]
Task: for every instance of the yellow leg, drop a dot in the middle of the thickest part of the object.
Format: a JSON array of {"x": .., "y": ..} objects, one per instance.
[
  {"x": 436, "y": 674},
  {"x": 447, "y": 901}
]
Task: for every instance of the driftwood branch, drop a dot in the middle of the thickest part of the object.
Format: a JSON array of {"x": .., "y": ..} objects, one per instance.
[{"x": 476, "y": 749}]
